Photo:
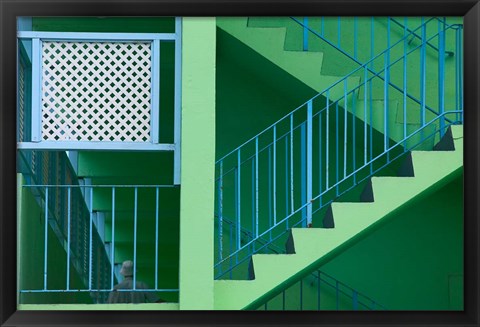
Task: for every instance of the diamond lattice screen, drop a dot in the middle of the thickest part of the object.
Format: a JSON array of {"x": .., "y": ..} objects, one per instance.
[{"x": 96, "y": 91}]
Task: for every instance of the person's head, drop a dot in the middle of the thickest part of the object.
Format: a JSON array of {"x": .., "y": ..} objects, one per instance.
[{"x": 127, "y": 269}]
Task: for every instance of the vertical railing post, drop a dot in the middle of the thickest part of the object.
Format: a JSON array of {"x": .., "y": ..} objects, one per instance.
[
  {"x": 135, "y": 219},
  {"x": 386, "y": 90},
  {"x": 372, "y": 67},
  {"x": 253, "y": 203},
  {"x": 256, "y": 187},
  {"x": 322, "y": 25},
  {"x": 457, "y": 70},
  {"x": 156, "y": 235},
  {"x": 303, "y": 172},
  {"x": 423, "y": 73},
  {"x": 292, "y": 208},
  {"x": 309, "y": 161},
  {"x": 305, "y": 33},
  {"x": 327, "y": 137},
  {"x": 112, "y": 252},
  {"x": 286, "y": 181},
  {"x": 220, "y": 212},
  {"x": 365, "y": 98},
  {"x": 320, "y": 157},
  {"x": 345, "y": 127},
  {"x": 441, "y": 74},
  {"x": 69, "y": 216},
  {"x": 337, "y": 177},
  {"x": 90, "y": 243},
  {"x": 405, "y": 86},
  {"x": 275, "y": 175},
  {"x": 355, "y": 300},
  {"x": 45, "y": 252},
  {"x": 270, "y": 209},
  {"x": 239, "y": 196}
]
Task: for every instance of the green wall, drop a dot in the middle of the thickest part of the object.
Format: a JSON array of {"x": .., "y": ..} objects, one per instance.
[
  {"x": 414, "y": 261},
  {"x": 198, "y": 169}
]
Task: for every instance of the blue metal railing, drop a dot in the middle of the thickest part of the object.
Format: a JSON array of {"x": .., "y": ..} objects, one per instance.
[
  {"x": 316, "y": 26},
  {"x": 99, "y": 276},
  {"x": 407, "y": 33},
  {"x": 320, "y": 291},
  {"x": 324, "y": 148}
]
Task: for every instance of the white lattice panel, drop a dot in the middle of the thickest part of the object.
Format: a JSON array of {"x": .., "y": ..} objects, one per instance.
[{"x": 96, "y": 91}]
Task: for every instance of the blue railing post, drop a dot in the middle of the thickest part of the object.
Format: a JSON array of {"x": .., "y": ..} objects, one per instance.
[
  {"x": 239, "y": 196},
  {"x": 292, "y": 207},
  {"x": 423, "y": 73},
  {"x": 320, "y": 157},
  {"x": 386, "y": 90},
  {"x": 156, "y": 235},
  {"x": 441, "y": 74},
  {"x": 322, "y": 26},
  {"x": 256, "y": 187},
  {"x": 275, "y": 175},
  {"x": 327, "y": 137},
  {"x": 135, "y": 220},
  {"x": 457, "y": 70},
  {"x": 220, "y": 213},
  {"x": 45, "y": 253},
  {"x": 112, "y": 252},
  {"x": 355, "y": 300},
  {"x": 309, "y": 161},
  {"x": 69, "y": 201},
  {"x": 345, "y": 127},
  {"x": 90, "y": 256},
  {"x": 365, "y": 147},
  {"x": 303, "y": 173},
  {"x": 405, "y": 86},
  {"x": 305, "y": 33}
]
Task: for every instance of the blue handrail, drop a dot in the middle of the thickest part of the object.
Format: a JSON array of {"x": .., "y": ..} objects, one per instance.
[{"x": 343, "y": 293}]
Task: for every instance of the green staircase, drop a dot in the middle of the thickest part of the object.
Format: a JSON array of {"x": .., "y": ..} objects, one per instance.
[
  {"x": 310, "y": 247},
  {"x": 278, "y": 41}
]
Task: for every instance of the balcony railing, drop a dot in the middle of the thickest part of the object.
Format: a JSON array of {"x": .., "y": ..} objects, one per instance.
[{"x": 89, "y": 247}]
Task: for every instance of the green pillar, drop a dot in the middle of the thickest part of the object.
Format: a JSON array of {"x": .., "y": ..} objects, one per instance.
[{"x": 198, "y": 164}]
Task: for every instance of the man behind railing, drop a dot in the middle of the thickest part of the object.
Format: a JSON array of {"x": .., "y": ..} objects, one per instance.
[{"x": 131, "y": 297}]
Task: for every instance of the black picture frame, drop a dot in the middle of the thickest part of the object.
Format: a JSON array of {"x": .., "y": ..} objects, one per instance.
[{"x": 10, "y": 9}]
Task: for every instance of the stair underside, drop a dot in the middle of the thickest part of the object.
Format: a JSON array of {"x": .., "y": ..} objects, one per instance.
[{"x": 353, "y": 221}]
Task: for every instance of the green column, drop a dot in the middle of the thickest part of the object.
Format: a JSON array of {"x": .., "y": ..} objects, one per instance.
[{"x": 198, "y": 164}]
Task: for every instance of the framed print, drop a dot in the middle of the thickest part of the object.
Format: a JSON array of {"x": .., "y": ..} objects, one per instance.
[{"x": 216, "y": 163}]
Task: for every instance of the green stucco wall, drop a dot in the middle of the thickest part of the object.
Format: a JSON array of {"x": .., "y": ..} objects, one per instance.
[
  {"x": 414, "y": 261},
  {"x": 198, "y": 157}
]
